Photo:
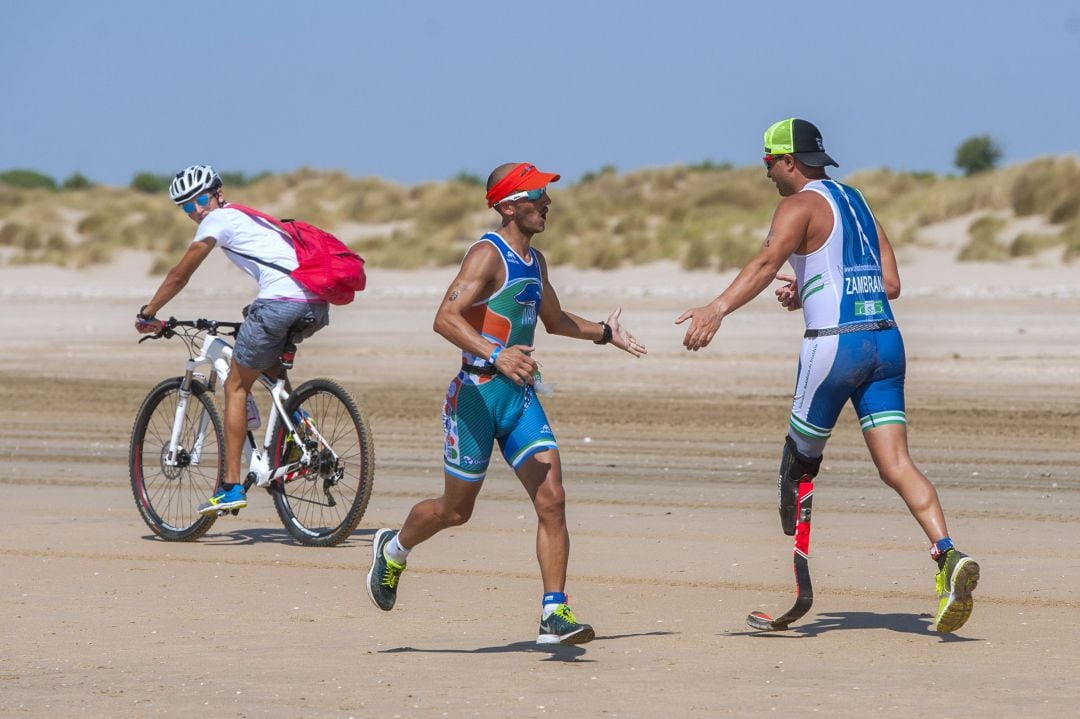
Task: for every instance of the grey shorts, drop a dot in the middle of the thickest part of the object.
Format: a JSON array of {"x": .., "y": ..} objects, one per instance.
[{"x": 262, "y": 336}]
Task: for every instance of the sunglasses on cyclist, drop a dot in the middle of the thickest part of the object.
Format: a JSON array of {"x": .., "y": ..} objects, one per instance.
[
  {"x": 770, "y": 160},
  {"x": 532, "y": 195},
  {"x": 202, "y": 201}
]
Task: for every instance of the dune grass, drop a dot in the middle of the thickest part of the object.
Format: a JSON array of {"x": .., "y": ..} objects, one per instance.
[{"x": 706, "y": 216}]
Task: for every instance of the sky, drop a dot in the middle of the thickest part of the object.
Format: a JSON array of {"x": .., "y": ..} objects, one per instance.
[{"x": 420, "y": 91}]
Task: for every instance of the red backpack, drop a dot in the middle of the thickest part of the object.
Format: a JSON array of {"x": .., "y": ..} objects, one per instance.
[{"x": 326, "y": 266}]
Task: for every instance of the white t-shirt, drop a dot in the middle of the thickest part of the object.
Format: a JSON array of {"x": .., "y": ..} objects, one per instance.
[{"x": 233, "y": 230}]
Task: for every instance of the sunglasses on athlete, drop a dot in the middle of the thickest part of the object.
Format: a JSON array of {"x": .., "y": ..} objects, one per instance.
[
  {"x": 532, "y": 195},
  {"x": 202, "y": 201},
  {"x": 770, "y": 160}
]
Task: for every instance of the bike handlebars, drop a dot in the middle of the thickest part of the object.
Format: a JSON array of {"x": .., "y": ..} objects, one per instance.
[{"x": 214, "y": 327}]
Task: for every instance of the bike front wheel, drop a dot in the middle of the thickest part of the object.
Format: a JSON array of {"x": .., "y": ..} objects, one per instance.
[
  {"x": 321, "y": 504},
  {"x": 168, "y": 490}
]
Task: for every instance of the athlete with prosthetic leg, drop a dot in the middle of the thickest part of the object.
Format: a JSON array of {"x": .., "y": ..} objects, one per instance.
[{"x": 845, "y": 275}]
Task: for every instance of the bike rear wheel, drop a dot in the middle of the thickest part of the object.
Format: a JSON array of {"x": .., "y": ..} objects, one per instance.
[
  {"x": 322, "y": 504},
  {"x": 167, "y": 495}
]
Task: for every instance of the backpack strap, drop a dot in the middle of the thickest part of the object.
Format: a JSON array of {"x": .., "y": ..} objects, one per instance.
[
  {"x": 268, "y": 221},
  {"x": 264, "y": 263},
  {"x": 271, "y": 223}
]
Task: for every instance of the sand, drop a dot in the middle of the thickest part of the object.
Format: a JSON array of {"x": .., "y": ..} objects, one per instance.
[{"x": 669, "y": 463}]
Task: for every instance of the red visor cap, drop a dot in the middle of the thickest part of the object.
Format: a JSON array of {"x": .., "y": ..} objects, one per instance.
[{"x": 521, "y": 178}]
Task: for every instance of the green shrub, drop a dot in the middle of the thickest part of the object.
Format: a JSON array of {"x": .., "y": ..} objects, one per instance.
[
  {"x": 239, "y": 179},
  {"x": 28, "y": 179},
  {"x": 150, "y": 183},
  {"x": 710, "y": 166},
  {"x": 468, "y": 178},
  {"x": 77, "y": 181},
  {"x": 977, "y": 154},
  {"x": 592, "y": 176}
]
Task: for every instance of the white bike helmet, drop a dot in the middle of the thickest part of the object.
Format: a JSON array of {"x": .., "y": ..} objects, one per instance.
[{"x": 193, "y": 181}]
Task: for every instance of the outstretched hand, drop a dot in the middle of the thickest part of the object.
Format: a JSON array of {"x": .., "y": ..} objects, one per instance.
[
  {"x": 704, "y": 322},
  {"x": 621, "y": 337},
  {"x": 788, "y": 295}
]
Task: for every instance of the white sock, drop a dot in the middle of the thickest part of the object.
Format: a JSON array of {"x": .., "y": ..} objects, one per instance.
[{"x": 394, "y": 551}]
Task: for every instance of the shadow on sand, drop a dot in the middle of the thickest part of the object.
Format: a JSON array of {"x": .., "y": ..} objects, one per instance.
[
  {"x": 555, "y": 652},
  {"x": 264, "y": 535},
  {"x": 834, "y": 621}
]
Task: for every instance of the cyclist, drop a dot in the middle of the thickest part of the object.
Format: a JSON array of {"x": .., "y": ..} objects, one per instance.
[
  {"x": 281, "y": 303},
  {"x": 845, "y": 275},
  {"x": 490, "y": 312}
]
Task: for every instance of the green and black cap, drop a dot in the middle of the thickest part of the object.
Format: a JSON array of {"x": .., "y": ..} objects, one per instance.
[{"x": 800, "y": 139}]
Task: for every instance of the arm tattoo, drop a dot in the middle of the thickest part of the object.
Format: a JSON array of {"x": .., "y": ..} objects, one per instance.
[{"x": 455, "y": 292}]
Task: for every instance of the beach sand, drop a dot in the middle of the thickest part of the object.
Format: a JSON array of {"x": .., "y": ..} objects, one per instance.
[{"x": 669, "y": 465}]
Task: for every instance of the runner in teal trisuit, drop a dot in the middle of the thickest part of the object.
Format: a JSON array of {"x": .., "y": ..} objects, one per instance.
[{"x": 490, "y": 312}]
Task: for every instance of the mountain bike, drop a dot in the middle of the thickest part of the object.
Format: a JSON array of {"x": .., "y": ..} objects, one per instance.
[{"x": 316, "y": 459}]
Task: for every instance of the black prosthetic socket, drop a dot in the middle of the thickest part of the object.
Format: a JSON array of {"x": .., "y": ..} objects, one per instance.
[{"x": 794, "y": 469}]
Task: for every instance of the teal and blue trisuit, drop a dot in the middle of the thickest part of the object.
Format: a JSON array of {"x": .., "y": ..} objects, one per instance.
[{"x": 483, "y": 406}]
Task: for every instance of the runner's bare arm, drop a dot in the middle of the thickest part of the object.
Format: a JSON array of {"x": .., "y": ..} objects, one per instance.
[
  {"x": 558, "y": 321},
  {"x": 788, "y": 230}
]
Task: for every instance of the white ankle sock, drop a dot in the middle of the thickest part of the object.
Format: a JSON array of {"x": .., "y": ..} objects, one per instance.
[{"x": 395, "y": 552}]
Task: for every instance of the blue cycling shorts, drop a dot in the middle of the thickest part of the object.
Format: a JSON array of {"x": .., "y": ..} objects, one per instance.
[{"x": 866, "y": 367}]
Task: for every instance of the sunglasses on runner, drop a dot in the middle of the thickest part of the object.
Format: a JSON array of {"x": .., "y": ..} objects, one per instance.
[
  {"x": 202, "y": 200},
  {"x": 770, "y": 160},
  {"x": 532, "y": 195}
]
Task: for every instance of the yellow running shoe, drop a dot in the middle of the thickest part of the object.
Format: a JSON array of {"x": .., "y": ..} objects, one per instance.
[{"x": 956, "y": 580}]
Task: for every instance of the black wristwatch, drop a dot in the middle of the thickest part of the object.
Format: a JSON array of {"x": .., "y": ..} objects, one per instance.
[
  {"x": 607, "y": 334},
  {"x": 142, "y": 316}
]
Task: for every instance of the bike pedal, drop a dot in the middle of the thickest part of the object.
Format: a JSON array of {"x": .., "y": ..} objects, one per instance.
[{"x": 234, "y": 512}]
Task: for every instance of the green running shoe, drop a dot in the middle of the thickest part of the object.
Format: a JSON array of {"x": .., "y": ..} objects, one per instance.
[
  {"x": 562, "y": 627},
  {"x": 382, "y": 578},
  {"x": 956, "y": 580}
]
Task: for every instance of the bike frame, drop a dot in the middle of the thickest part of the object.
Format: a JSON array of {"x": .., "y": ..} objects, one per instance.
[{"x": 217, "y": 353}]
